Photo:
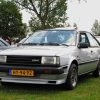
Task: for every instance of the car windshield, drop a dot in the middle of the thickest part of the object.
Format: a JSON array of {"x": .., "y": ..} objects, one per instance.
[{"x": 52, "y": 37}]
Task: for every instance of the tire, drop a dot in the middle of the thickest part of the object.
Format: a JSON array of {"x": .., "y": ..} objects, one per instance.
[
  {"x": 96, "y": 73},
  {"x": 4, "y": 83},
  {"x": 72, "y": 78}
]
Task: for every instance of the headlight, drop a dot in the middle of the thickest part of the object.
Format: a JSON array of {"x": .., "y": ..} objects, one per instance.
[
  {"x": 3, "y": 59},
  {"x": 50, "y": 60}
]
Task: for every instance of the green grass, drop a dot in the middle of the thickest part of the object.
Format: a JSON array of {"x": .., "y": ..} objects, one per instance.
[{"x": 88, "y": 89}]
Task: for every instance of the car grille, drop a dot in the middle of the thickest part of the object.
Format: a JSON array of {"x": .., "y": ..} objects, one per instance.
[{"x": 23, "y": 60}]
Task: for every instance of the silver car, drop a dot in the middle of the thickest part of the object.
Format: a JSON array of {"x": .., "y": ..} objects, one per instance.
[{"x": 53, "y": 56}]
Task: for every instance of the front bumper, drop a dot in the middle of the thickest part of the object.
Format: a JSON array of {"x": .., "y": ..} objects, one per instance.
[{"x": 44, "y": 75}]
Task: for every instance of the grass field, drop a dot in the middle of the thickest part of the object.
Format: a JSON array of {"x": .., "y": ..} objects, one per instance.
[{"x": 88, "y": 89}]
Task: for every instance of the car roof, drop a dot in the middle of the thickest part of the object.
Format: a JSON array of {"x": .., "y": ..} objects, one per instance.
[
  {"x": 69, "y": 28},
  {"x": 63, "y": 28}
]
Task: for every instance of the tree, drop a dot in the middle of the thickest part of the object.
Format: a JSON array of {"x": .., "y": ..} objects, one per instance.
[
  {"x": 96, "y": 28},
  {"x": 46, "y": 13},
  {"x": 35, "y": 24},
  {"x": 10, "y": 20},
  {"x": 82, "y": 0},
  {"x": 75, "y": 25},
  {"x": 68, "y": 25}
]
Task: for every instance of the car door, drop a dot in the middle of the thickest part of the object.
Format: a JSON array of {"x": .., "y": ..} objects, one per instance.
[
  {"x": 95, "y": 50},
  {"x": 84, "y": 57}
]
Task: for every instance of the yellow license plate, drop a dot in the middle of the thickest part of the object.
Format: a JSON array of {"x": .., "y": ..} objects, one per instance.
[{"x": 22, "y": 72}]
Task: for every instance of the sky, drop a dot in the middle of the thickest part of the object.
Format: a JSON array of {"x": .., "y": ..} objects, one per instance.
[{"x": 84, "y": 13}]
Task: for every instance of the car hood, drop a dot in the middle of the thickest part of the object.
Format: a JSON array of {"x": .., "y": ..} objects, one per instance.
[{"x": 38, "y": 50}]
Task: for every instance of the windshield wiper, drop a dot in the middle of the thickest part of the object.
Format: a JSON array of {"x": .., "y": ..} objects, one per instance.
[
  {"x": 50, "y": 43},
  {"x": 64, "y": 44},
  {"x": 30, "y": 44}
]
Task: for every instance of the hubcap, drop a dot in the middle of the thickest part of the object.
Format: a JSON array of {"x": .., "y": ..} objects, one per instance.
[{"x": 74, "y": 77}]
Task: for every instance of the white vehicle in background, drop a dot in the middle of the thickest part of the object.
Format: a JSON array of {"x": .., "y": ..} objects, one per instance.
[
  {"x": 21, "y": 41},
  {"x": 53, "y": 56},
  {"x": 3, "y": 44}
]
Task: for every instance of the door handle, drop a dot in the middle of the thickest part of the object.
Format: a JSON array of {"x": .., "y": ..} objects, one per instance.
[{"x": 91, "y": 51}]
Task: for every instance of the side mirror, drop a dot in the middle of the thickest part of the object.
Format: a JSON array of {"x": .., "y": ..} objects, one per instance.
[{"x": 83, "y": 45}]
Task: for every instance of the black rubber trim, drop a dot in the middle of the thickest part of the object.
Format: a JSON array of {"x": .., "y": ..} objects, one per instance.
[
  {"x": 88, "y": 62},
  {"x": 37, "y": 70}
]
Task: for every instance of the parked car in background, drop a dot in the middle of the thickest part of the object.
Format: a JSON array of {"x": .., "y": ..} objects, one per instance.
[
  {"x": 53, "y": 56},
  {"x": 3, "y": 44},
  {"x": 19, "y": 43}
]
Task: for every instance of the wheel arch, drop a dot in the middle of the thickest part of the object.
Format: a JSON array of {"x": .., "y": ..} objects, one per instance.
[{"x": 73, "y": 61}]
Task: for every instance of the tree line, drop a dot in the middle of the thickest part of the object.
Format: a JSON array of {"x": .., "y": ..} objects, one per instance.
[{"x": 45, "y": 14}]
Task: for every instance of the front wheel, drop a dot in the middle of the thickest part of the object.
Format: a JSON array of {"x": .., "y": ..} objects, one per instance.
[{"x": 72, "y": 77}]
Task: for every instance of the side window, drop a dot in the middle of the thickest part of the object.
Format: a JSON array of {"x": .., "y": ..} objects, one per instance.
[
  {"x": 92, "y": 40},
  {"x": 83, "y": 38}
]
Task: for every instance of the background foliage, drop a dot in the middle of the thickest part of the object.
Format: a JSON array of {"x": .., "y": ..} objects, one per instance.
[
  {"x": 45, "y": 13},
  {"x": 10, "y": 20},
  {"x": 96, "y": 28}
]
